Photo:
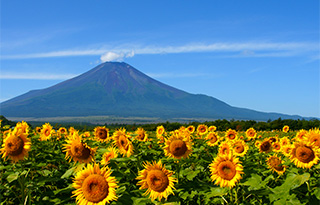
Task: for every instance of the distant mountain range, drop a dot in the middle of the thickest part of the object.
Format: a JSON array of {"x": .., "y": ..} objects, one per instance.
[{"x": 118, "y": 89}]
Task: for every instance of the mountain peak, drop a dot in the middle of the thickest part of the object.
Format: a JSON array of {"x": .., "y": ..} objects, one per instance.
[{"x": 117, "y": 88}]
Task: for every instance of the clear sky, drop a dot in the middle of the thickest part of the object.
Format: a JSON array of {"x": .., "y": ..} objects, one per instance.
[{"x": 262, "y": 55}]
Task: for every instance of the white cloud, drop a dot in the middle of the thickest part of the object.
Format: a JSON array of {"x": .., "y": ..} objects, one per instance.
[
  {"x": 246, "y": 49},
  {"x": 36, "y": 76},
  {"x": 113, "y": 56}
]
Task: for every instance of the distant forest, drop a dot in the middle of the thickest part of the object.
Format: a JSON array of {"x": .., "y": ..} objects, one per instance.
[{"x": 222, "y": 125}]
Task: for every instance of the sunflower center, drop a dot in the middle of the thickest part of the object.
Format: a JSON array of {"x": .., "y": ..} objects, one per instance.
[
  {"x": 226, "y": 170},
  {"x": 231, "y": 136},
  {"x": 315, "y": 140},
  {"x": 265, "y": 146},
  {"x": 239, "y": 148},
  {"x": 14, "y": 145},
  {"x": 95, "y": 188},
  {"x": 157, "y": 180},
  {"x": 80, "y": 151},
  {"x": 102, "y": 134},
  {"x": 305, "y": 154},
  {"x": 178, "y": 148},
  {"x": 275, "y": 163},
  {"x": 141, "y": 136},
  {"x": 47, "y": 132}
]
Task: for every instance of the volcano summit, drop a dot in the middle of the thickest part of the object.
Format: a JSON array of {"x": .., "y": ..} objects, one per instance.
[{"x": 118, "y": 89}]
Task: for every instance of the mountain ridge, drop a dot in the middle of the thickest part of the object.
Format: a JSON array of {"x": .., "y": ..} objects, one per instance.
[{"x": 116, "y": 88}]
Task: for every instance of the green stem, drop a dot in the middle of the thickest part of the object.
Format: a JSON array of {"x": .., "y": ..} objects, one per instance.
[
  {"x": 309, "y": 191},
  {"x": 235, "y": 195},
  {"x": 231, "y": 197}
]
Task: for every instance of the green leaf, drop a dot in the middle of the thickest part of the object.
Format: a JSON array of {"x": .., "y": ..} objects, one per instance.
[
  {"x": 68, "y": 173},
  {"x": 13, "y": 177},
  {"x": 254, "y": 182},
  {"x": 317, "y": 192},
  {"x": 192, "y": 174},
  {"x": 217, "y": 191}
]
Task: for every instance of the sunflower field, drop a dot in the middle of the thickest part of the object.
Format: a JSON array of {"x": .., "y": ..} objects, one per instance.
[{"x": 190, "y": 165}]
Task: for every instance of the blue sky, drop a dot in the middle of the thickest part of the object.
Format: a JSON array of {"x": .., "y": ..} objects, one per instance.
[{"x": 262, "y": 55}]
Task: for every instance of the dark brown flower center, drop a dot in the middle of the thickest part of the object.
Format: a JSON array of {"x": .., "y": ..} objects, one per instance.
[
  {"x": 102, "y": 134},
  {"x": 178, "y": 148},
  {"x": 95, "y": 188},
  {"x": 14, "y": 145},
  {"x": 239, "y": 148},
  {"x": 304, "y": 154},
  {"x": 226, "y": 170},
  {"x": 157, "y": 180},
  {"x": 78, "y": 150},
  {"x": 265, "y": 146}
]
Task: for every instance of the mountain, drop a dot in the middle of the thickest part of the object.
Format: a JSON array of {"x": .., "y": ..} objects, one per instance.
[{"x": 118, "y": 89}]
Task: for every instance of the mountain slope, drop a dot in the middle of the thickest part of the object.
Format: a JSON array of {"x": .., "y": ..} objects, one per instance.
[{"x": 118, "y": 89}]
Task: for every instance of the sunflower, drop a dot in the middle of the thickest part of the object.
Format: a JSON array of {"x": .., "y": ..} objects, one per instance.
[
  {"x": 265, "y": 146},
  {"x": 301, "y": 135},
  {"x": 226, "y": 170},
  {"x": 239, "y": 148},
  {"x": 62, "y": 131},
  {"x": 46, "y": 132},
  {"x": 303, "y": 155},
  {"x": 178, "y": 146},
  {"x": 38, "y": 130},
  {"x": 202, "y": 129},
  {"x": 285, "y": 128},
  {"x": 22, "y": 127},
  {"x": 231, "y": 134},
  {"x": 141, "y": 134},
  {"x": 313, "y": 137},
  {"x": 212, "y": 128},
  {"x": 160, "y": 130},
  {"x": 86, "y": 134},
  {"x": 251, "y": 133},
  {"x": 213, "y": 138},
  {"x": 286, "y": 150},
  {"x": 284, "y": 141},
  {"x": 276, "y": 147},
  {"x": 121, "y": 140},
  {"x": 101, "y": 134},
  {"x": 257, "y": 144},
  {"x": 157, "y": 180},
  {"x": 94, "y": 186},
  {"x": 16, "y": 145},
  {"x": 77, "y": 150},
  {"x": 110, "y": 154},
  {"x": 275, "y": 164},
  {"x": 224, "y": 149},
  {"x": 191, "y": 129}
]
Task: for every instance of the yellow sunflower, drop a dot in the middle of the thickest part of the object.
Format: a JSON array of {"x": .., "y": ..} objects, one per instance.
[
  {"x": 77, "y": 150},
  {"x": 157, "y": 180},
  {"x": 22, "y": 127},
  {"x": 202, "y": 129},
  {"x": 212, "y": 128},
  {"x": 225, "y": 148},
  {"x": 16, "y": 145},
  {"x": 286, "y": 150},
  {"x": 257, "y": 144},
  {"x": 231, "y": 134},
  {"x": 38, "y": 130},
  {"x": 109, "y": 154},
  {"x": 276, "y": 147},
  {"x": 94, "y": 186},
  {"x": 178, "y": 146},
  {"x": 251, "y": 133},
  {"x": 212, "y": 138},
  {"x": 121, "y": 140},
  {"x": 313, "y": 137},
  {"x": 101, "y": 134},
  {"x": 301, "y": 135},
  {"x": 63, "y": 131},
  {"x": 285, "y": 128},
  {"x": 275, "y": 164},
  {"x": 304, "y": 156},
  {"x": 226, "y": 170},
  {"x": 284, "y": 141},
  {"x": 239, "y": 148},
  {"x": 160, "y": 132},
  {"x": 141, "y": 134},
  {"x": 265, "y": 146},
  {"x": 191, "y": 129},
  {"x": 46, "y": 132}
]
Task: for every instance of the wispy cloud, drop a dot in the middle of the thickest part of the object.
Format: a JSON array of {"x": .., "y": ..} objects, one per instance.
[
  {"x": 247, "y": 49},
  {"x": 36, "y": 76}
]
